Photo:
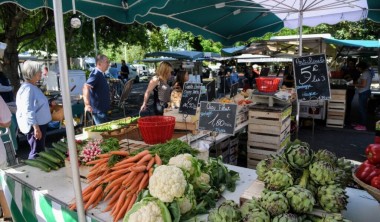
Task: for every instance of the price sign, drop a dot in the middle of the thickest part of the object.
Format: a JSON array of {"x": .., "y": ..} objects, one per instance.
[
  {"x": 311, "y": 77},
  {"x": 190, "y": 98},
  {"x": 218, "y": 117},
  {"x": 234, "y": 89}
]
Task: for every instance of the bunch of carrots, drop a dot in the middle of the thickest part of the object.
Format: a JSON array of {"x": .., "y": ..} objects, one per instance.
[{"x": 119, "y": 184}]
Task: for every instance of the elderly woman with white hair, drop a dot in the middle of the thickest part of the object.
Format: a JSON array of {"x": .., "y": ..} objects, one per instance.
[{"x": 33, "y": 113}]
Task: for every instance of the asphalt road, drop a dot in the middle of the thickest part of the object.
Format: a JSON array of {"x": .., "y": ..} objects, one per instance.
[{"x": 345, "y": 142}]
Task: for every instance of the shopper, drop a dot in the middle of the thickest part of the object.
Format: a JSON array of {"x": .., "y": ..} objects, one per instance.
[
  {"x": 5, "y": 121},
  {"x": 234, "y": 76},
  {"x": 160, "y": 87},
  {"x": 124, "y": 71},
  {"x": 350, "y": 74},
  {"x": 33, "y": 113},
  {"x": 364, "y": 91},
  {"x": 96, "y": 92},
  {"x": 6, "y": 90},
  {"x": 176, "y": 95}
]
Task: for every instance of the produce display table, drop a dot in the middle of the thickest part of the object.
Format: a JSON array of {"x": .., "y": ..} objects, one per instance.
[{"x": 40, "y": 196}]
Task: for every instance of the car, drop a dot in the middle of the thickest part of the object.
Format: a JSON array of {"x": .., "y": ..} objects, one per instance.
[
  {"x": 142, "y": 70},
  {"x": 132, "y": 71}
]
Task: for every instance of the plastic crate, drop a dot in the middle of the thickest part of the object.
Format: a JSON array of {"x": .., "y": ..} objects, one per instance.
[{"x": 267, "y": 84}]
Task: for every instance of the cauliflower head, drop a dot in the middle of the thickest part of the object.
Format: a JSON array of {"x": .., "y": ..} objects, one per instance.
[
  {"x": 184, "y": 161},
  {"x": 148, "y": 213},
  {"x": 149, "y": 209},
  {"x": 167, "y": 182},
  {"x": 204, "y": 178}
]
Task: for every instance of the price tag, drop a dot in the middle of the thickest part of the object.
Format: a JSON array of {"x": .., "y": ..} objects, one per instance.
[
  {"x": 218, "y": 117},
  {"x": 190, "y": 98},
  {"x": 311, "y": 77}
]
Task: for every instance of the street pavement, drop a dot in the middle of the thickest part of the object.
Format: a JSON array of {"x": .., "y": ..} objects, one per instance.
[{"x": 345, "y": 142}]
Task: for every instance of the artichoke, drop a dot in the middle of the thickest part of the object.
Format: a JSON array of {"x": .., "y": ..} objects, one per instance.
[
  {"x": 300, "y": 199},
  {"x": 275, "y": 202},
  {"x": 264, "y": 165},
  {"x": 334, "y": 218},
  {"x": 251, "y": 211},
  {"x": 298, "y": 155},
  {"x": 278, "y": 179},
  {"x": 228, "y": 211},
  {"x": 325, "y": 155},
  {"x": 322, "y": 173},
  {"x": 332, "y": 198},
  {"x": 289, "y": 217},
  {"x": 345, "y": 167}
]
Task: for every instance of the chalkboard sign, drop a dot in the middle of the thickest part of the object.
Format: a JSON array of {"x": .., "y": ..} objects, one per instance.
[
  {"x": 211, "y": 91},
  {"x": 234, "y": 89},
  {"x": 218, "y": 117},
  {"x": 190, "y": 98},
  {"x": 311, "y": 79}
]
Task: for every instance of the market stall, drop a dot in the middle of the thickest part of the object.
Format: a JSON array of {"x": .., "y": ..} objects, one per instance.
[{"x": 46, "y": 196}]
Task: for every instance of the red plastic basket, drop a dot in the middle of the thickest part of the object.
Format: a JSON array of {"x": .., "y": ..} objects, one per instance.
[
  {"x": 156, "y": 129},
  {"x": 267, "y": 84}
]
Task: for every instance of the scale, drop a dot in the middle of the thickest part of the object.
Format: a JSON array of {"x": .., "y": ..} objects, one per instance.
[{"x": 268, "y": 98}]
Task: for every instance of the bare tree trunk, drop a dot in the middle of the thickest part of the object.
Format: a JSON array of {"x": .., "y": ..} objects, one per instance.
[{"x": 11, "y": 63}]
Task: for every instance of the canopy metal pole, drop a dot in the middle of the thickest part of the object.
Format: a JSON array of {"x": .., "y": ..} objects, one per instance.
[
  {"x": 94, "y": 34},
  {"x": 61, "y": 44},
  {"x": 300, "y": 54}
]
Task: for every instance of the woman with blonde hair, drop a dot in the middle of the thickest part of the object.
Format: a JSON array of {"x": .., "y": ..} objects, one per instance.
[
  {"x": 33, "y": 112},
  {"x": 160, "y": 87}
]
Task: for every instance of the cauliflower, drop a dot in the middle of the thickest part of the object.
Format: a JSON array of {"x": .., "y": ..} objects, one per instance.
[
  {"x": 204, "y": 178},
  {"x": 149, "y": 209},
  {"x": 167, "y": 182},
  {"x": 185, "y": 161},
  {"x": 187, "y": 202}
]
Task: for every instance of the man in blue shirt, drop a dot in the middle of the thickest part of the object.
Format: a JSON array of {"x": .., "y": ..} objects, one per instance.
[
  {"x": 234, "y": 78},
  {"x": 96, "y": 93}
]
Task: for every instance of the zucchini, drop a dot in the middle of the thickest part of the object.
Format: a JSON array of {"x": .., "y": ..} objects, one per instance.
[
  {"x": 50, "y": 157},
  {"x": 40, "y": 165},
  {"x": 60, "y": 147},
  {"x": 61, "y": 154},
  {"x": 52, "y": 165},
  {"x": 51, "y": 152},
  {"x": 63, "y": 145}
]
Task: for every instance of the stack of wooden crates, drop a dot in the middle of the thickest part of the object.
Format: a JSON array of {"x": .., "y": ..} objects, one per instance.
[
  {"x": 336, "y": 108},
  {"x": 268, "y": 131}
]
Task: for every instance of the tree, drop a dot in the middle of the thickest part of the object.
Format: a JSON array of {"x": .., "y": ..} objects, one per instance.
[{"x": 23, "y": 30}]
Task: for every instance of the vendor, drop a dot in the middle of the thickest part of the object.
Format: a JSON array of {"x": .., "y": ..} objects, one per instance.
[
  {"x": 176, "y": 95},
  {"x": 351, "y": 74},
  {"x": 288, "y": 80}
]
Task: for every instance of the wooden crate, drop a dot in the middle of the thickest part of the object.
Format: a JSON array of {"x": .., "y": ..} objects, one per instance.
[
  {"x": 253, "y": 159},
  {"x": 184, "y": 122},
  {"x": 131, "y": 146},
  {"x": 222, "y": 148},
  {"x": 336, "y": 109}
]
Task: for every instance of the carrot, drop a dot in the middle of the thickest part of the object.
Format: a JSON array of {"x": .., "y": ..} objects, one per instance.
[
  {"x": 150, "y": 164},
  {"x": 121, "y": 171},
  {"x": 117, "y": 182},
  {"x": 86, "y": 197},
  {"x": 132, "y": 202},
  {"x": 111, "y": 192},
  {"x": 145, "y": 158},
  {"x": 113, "y": 200},
  {"x": 103, "y": 155},
  {"x": 124, "y": 208},
  {"x": 73, "y": 206},
  {"x": 124, "y": 161},
  {"x": 97, "y": 201},
  {"x": 158, "y": 160},
  {"x": 136, "y": 181},
  {"x": 112, "y": 177},
  {"x": 95, "y": 195},
  {"x": 138, "y": 156},
  {"x": 119, "y": 152},
  {"x": 120, "y": 202},
  {"x": 144, "y": 182},
  {"x": 150, "y": 172},
  {"x": 122, "y": 166},
  {"x": 93, "y": 162},
  {"x": 128, "y": 180},
  {"x": 101, "y": 164},
  {"x": 138, "y": 168}
]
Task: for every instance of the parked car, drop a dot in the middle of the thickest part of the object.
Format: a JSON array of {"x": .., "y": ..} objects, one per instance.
[
  {"x": 132, "y": 72},
  {"x": 142, "y": 70}
]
